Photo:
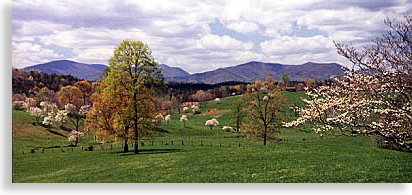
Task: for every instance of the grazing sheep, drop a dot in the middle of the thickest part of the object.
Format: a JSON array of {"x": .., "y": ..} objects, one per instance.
[
  {"x": 183, "y": 119},
  {"x": 217, "y": 100},
  {"x": 227, "y": 128},
  {"x": 167, "y": 118},
  {"x": 195, "y": 109},
  {"x": 185, "y": 109},
  {"x": 212, "y": 123}
]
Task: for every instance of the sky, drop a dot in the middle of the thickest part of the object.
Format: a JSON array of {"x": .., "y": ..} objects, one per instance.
[{"x": 198, "y": 36}]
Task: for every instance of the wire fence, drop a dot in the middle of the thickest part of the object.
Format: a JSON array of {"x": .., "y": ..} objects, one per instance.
[
  {"x": 142, "y": 144},
  {"x": 163, "y": 142}
]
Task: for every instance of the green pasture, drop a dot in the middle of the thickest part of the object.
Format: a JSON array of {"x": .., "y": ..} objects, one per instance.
[{"x": 198, "y": 154}]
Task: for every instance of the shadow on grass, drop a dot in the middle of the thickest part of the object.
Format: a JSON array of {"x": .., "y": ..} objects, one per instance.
[
  {"x": 147, "y": 151},
  {"x": 56, "y": 133},
  {"x": 161, "y": 130}
]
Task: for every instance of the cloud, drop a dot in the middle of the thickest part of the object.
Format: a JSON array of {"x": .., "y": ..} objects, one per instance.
[
  {"x": 287, "y": 45},
  {"x": 225, "y": 42},
  {"x": 26, "y": 53},
  {"x": 179, "y": 32},
  {"x": 243, "y": 26}
]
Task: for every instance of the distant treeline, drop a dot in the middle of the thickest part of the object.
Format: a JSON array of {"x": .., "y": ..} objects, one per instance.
[
  {"x": 30, "y": 82},
  {"x": 202, "y": 86}
]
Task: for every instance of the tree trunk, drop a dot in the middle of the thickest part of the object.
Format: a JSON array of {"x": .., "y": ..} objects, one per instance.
[
  {"x": 77, "y": 122},
  {"x": 136, "y": 133},
  {"x": 264, "y": 136},
  {"x": 126, "y": 146}
]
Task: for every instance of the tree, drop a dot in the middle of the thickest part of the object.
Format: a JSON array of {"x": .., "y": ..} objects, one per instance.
[
  {"x": 264, "y": 111},
  {"x": 238, "y": 113},
  {"x": 281, "y": 85},
  {"x": 133, "y": 67},
  {"x": 224, "y": 91},
  {"x": 373, "y": 98},
  {"x": 285, "y": 78},
  {"x": 175, "y": 104},
  {"x": 300, "y": 87},
  {"x": 45, "y": 94},
  {"x": 270, "y": 82},
  {"x": 100, "y": 120},
  {"x": 86, "y": 89},
  {"x": 309, "y": 83},
  {"x": 70, "y": 95}
]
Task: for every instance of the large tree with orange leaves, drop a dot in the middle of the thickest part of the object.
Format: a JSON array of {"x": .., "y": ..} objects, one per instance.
[{"x": 133, "y": 72}]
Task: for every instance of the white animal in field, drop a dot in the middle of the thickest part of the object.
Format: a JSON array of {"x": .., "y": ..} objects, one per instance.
[
  {"x": 185, "y": 109},
  {"x": 212, "y": 123},
  {"x": 183, "y": 119},
  {"x": 195, "y": 109},
  {"x": 167, "y": 118},
  {"x": 217, "y": 100},
  {"x": 227, "y": 128}
]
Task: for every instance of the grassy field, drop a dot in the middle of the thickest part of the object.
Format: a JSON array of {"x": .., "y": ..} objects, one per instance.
[{"x": 198, "y": 154}]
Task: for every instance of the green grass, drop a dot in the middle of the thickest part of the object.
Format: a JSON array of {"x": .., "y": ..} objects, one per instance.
[{"x": 302, "y": 157}]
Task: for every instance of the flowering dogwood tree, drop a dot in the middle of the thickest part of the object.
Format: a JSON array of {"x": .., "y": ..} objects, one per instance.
[
  {"x": 373, "y": 98},
  {"x": 74, "y": 136}
]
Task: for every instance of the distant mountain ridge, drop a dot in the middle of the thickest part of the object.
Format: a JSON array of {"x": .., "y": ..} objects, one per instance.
[
  {"x": 171, "y": 72},
  {"x": 91, "y": 72},
  {"x": 247, "y": 72},
  {"x": 252, "y": 71}
]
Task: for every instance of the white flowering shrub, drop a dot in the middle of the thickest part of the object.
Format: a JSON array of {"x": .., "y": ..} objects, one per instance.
[
  {"x": 70, "y": 108},
  {"x": 30, "y": 102},
  {"x": 48, "y": 120},
  {"x": 84, "y": 109},
  {"x": 159, "y": 118},
  {"x": 48, "y": 107},
  {"x": 374, "y": 99},
  {"x": 61, "y": 117},
  {"x": 74, "y": 136},
  {"x": 36, "y": 112}
]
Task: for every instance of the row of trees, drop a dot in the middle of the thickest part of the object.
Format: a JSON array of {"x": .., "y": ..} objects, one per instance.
[{"x": 31, "y": 82}]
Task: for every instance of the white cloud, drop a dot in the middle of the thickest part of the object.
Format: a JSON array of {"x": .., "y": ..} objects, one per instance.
[
  {"x": 224, "y": 42},
  {"x": 242, "y": 26},
  {"x": 94, "y": 55},
  {"x": 287, "y": 45},
  {"x": 27, "y": 54}
]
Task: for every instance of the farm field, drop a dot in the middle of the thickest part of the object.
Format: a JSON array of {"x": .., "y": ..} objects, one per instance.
[{"x": 198, "y": 154}]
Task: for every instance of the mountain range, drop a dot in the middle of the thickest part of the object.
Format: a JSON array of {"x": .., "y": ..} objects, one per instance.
[
  {"x": 247, "y": 72},
  {"x": 91, "y": 72}
]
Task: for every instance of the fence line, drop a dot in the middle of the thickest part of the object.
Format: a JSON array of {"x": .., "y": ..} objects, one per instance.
[{"x": 143, "y": 143}]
